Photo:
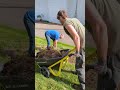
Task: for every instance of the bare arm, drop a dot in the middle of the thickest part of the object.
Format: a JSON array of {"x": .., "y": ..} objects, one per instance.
[
  {"x": 74, "y": 36},
  {"x": 55, "y": 43},
  {"x": 99, "y": 30}
]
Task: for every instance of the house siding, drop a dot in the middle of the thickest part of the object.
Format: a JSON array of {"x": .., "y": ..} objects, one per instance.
[
  {"x": 49, "y": 9},
  {"x": 12, "y": 12}
]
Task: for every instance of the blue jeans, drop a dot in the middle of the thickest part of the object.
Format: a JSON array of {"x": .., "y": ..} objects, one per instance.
[
  {"x": 30, "y": 27},
  {"x": 48, "y": 39}
]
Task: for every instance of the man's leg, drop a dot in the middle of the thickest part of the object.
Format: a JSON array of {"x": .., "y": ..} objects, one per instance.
[
  {"x": 31, "y": 33},
  {"x": 116, "y": 69},
  {"x": 109, "y": 83},
  {"x": 48, "y": 40},
  {"x": 80, "y": 69},
  {"x": 99, "y": 34},
  {"x": 118, "y": 87},
  {"x": 100, "y": 81},
  {"x": 117, "y": 83}
]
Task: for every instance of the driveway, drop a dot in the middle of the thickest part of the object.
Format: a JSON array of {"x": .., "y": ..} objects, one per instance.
[{"x": 40, "y": 29}]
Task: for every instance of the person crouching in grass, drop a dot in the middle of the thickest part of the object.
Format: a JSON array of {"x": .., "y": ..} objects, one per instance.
[{"x": 54, "y": 35}]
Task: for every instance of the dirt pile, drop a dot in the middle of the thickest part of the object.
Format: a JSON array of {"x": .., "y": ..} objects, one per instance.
[
  {"x": 91, "y": 79},
  {"x": 91, "y": 75},
  {"x": 51, "y": 53},
  {"x": 22, "y": 66}
]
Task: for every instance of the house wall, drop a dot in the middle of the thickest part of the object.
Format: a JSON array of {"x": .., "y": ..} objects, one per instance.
[
  {"x": 71, "y": 6},
  {"x": 54, "y": 6},
  {"x": 12, "y": 12},
  {"x": 81, "y": 11},
  {"x": 41, "y": 8},
  {"x": 50, "y": 8}
]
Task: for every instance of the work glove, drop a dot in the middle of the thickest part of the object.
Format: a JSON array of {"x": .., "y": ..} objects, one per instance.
[
  {"x": 80, "y": 58},
  {"x": 101, "y": 68},
  {"x": 77, "y": 54}
]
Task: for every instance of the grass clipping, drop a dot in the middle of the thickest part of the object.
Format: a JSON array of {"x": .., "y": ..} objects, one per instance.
[{"x": 51, "y": 53}]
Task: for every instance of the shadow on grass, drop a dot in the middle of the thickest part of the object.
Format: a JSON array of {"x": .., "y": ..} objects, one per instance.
[
  {"x": 70, "y": 71},
  {"x": 61, "y": 79},
  {"x": 64, "y": 80}
]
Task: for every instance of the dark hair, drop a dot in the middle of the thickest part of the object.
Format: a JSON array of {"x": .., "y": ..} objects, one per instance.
[{"x": 61, "y": 13}]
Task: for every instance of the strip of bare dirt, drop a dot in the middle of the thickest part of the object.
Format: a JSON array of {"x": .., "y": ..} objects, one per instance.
[{"x": 21, "y": 65}]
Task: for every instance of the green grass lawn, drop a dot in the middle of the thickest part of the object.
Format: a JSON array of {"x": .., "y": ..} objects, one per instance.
[
  {"x": 41, "y": 42},
  {"x": 11, "y": 38},
  {"x": 65, "y": 80}
]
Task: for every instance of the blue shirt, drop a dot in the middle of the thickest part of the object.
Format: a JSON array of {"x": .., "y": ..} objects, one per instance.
[{"x": 53, "y": 34}]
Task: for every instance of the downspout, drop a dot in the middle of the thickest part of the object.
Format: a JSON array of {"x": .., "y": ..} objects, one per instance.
[{"x": 76, "y": 8}]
